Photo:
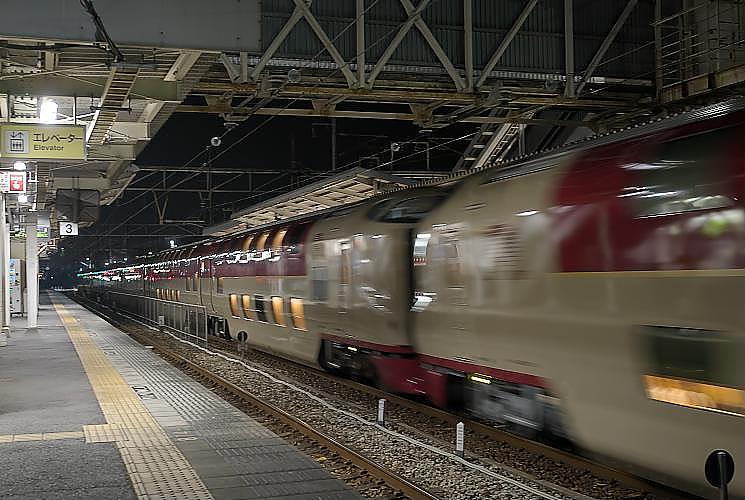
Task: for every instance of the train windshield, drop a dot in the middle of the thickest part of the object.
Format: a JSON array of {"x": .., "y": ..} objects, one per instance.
[{"x": 407, "y": 210}]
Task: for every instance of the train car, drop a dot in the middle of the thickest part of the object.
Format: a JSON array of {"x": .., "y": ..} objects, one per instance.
[
  {"x": 598, "y": 292},
  {"x": 594, "y": 292},
  {"x": 331, "y": 290}
]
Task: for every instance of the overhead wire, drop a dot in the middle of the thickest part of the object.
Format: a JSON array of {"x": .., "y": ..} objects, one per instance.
[{"x": 270, "y": 118}]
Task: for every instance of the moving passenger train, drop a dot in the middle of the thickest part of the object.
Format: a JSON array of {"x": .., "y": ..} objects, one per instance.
[{"x": 594, "y": 292}]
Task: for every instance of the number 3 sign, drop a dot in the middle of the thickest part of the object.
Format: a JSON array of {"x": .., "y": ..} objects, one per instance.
[{"x": 68, "y": 228}]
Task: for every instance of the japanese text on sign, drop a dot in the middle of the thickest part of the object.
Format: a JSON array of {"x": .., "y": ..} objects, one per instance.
[{"x": 36, "y": 141}]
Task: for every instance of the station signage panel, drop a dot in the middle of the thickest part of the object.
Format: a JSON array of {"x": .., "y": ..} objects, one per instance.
[
  {"x": 13, "y": 182},
  {"x": 42, "y": 142},
  {"x": 68, "y": 228}
]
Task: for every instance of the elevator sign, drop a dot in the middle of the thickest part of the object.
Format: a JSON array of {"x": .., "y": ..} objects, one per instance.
[
  {"x": 13, "y": 182},
  {"x": 42, "y": 142}
]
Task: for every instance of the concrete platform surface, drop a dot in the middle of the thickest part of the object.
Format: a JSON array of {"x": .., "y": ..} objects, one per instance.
[{"x": 87, "y": 412}]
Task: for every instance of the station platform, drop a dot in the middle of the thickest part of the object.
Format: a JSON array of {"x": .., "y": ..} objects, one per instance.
[{"x": 87, "y": 412}]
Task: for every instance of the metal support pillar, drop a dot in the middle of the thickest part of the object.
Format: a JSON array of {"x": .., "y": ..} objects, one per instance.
[
  {"x": 360, "y": 11},
  {"x": 5, "y": 256},
  {"x": 32, "y": 276},
  {"x": 658, "y": 49},
  {"x": 468, "y": 42},
  {"x": 4, "y": 285},
  {"x": 569, "y": 47}
]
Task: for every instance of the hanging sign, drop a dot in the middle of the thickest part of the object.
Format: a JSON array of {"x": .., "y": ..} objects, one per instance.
[
  {"x": 68, "y": 228},
  {"x": 42, "y": 142},
  {"x": 13, "y": 182}
]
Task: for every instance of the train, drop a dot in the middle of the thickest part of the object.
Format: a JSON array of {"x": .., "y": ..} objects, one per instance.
[{"x": 594, "y": 292}]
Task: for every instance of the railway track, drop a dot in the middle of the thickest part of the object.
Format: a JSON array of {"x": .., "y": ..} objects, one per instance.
[
  {"x": 576, "y": 477},
  {"x": 401, "y": 408}
]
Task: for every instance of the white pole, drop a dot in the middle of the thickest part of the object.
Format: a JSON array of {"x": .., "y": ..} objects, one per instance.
[
  {"x": 6, "y": 264},
  {"x": 459, "y": 439},
  {"x": 381, "y": 411},
  {"x": 4, "y": 279},
  {"x": 32, "y": 276}
]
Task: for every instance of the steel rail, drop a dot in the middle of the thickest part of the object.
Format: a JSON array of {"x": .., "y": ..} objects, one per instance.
[{"x": 598, "y": 469}]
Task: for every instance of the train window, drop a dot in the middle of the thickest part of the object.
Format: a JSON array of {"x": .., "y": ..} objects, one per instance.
[
  {"x": 298, "y": 313},
  {"x": 681, "y": 175},
  {"x": 178, "y": 295},
  {"x": 278, "y": 239},
  {"x": 188, "y": 284},
  {"x": 260, "y": 304},
  {"x": 404, "y": 211},
  {"x": 319, "y": 283},
  {"x": 278, "y": 310},
  {"x": 234, "y": 309},
  {"x": 261, "y": 241},
  {"x": 692, "y": 367},
  {"x": 246, "y": 306},
  {"x": 247, "y": 242},
  {"x": 294, "y": 238},
  {"x": 220, "y": 285}
]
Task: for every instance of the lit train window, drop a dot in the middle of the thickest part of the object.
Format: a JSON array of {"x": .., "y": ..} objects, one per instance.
[
  {"x": 247, "y": 242},
  {"x": 278, "y": 239},
  {"x": 278, "y": 307},
  {"x": 220, "y": 285},
  {"x": 234, "y": 309},
  {"x": 246, "y": 306},
  {"x": 298, "y": 313},
  {"x": 694, "y": 368},
  {"x": 260, "y": 304},
  {"x": 261, "y": 242}
]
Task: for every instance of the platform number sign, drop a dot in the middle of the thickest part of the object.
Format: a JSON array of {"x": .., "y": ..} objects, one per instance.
[{"x": 68, "y": 228}]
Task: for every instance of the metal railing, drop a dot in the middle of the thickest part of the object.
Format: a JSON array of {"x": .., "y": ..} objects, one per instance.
[{"x": 185, "y": 320}]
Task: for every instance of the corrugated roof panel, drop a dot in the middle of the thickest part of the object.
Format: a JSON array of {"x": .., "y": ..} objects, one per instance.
[{"x": 539, "y": 46}]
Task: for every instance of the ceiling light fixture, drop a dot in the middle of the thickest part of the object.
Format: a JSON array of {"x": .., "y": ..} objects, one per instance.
[{"x": 48, "y": 111}]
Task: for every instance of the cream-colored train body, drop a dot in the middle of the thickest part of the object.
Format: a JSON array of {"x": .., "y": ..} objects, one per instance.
[
  {"x": 595, "y": 293},
  {"x": 623, "y": 313}
]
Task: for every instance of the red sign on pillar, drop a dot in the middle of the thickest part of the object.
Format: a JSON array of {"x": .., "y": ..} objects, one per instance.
[{"x": 17, "y": 182}]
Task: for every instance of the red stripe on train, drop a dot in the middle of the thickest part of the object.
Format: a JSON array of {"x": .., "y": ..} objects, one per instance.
[
  {"x": 393, "y": 349},
  {"x": 504, "y": 375}
]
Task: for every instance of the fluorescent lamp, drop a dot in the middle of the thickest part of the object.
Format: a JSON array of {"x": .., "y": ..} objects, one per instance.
[
  {"x": 19, "y": 165},
  {"x": 48, "y": 111},
  {"x": 22, "y": 198}
]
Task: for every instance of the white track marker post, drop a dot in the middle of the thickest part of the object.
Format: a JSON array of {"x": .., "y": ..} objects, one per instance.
[
  {"x": 381, "y": 411},
  {"x": 459, "y": 429}
]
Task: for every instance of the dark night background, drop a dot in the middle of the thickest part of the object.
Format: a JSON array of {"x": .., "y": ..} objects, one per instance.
[{"x": 296, "y": 151}]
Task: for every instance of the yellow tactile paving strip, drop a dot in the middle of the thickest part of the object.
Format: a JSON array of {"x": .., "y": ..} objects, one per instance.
[{"x": 155, "y": 466}]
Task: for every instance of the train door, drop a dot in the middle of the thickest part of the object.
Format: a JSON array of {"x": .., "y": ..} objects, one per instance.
[
  {"x": 205, "y": 289},
  {"x": 344, "y": 298}
]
